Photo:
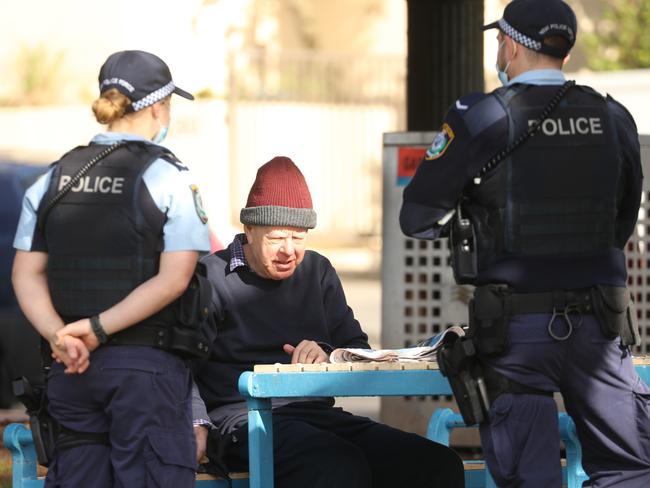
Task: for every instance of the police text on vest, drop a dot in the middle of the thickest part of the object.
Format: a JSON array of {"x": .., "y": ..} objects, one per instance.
[
  {"x": 96, "y": 184},
  {"x": 570, "y": 126}
]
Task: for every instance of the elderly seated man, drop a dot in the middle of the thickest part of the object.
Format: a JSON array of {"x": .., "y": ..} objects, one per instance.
[{"x": 276, "y": 302}]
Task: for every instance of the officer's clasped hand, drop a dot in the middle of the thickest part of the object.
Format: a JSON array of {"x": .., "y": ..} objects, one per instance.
[
  {"x": 81, "y": 329},
  {"x": 72, "y": 352}
]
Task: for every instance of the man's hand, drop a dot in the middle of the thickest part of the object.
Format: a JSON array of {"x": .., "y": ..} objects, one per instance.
[
  {"x": 72, "y": 352},
  {"x": 201, "y": 435},
  {"x": 82, "y": 330},
  {"x": 307, "y": 352}
]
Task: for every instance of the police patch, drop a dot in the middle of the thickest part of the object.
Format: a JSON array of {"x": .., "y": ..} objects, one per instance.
[
  {"x": 440, "y": 143},
  {"x": 198, "y": 204}
]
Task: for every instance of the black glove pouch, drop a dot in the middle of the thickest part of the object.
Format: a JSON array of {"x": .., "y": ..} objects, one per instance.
[
  {"x": 615, "y": 313},
  {"x": 489, "y": 318}
]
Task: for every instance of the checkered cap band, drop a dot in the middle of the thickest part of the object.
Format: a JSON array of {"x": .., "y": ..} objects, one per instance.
[
  {"x": 153, "y": 97},
  {"x": 518, "y": 37}
]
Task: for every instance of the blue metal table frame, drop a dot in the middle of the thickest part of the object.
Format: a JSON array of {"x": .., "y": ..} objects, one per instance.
[{"x": 258, "y": 388}]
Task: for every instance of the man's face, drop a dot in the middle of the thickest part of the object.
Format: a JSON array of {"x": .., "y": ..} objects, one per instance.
[{"x": 275, "y": 252}]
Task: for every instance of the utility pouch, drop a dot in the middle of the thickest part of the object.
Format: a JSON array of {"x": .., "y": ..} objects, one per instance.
[
  {"x": 192, "y": 305},
  {"x": 614, "y": 310},
  {"x": 488, "y": 319},
  {"x": 193, "y": 315},
  {"x": 44, "y": 428},
  {"x": 462, "y": 245},
  {"x": 458, "y": 362}
]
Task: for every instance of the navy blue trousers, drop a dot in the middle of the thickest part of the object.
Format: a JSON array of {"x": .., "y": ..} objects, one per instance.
[
  {"x": 318, "y": 446},
  {"x": 602, "y": 392},
  {"x": 141, "y": 397}
]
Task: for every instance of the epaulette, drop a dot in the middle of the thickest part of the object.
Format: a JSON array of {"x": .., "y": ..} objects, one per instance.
[
  {"x": 479, "y": 111},
  {"x": 611, "y": 100},
  {"x": 464, "y": 103},
  {"x": 54, "y": 163},
  {"x": 591, "y": 91},
  {"x": 171, "y": 158}
]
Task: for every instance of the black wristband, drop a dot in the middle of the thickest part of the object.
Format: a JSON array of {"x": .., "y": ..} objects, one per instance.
[{"x": 99, "y": 331}]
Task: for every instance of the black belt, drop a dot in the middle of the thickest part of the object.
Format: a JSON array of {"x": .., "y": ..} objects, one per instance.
[
  {"x": 569, "y": 305},
  {"x": 140, "y": 335},
  {"x": 183, "y": 343},
  {"x": 68, "y": 438},
  {"x": 571, "y": 301},
  {"x": 498, "y": 384}
]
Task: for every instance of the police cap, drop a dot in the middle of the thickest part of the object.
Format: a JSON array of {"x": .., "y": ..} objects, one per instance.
[
  {"x": 141, "y": 76},
  {"x": 530, "y": 22}
]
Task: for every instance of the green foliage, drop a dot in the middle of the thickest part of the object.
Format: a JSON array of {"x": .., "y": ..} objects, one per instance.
[
  {"x": 38, "y": 68},
  {"x": 621, "y": 40}
]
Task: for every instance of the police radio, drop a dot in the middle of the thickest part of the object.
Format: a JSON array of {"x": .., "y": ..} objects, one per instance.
[{"x": 462, "y": 243}]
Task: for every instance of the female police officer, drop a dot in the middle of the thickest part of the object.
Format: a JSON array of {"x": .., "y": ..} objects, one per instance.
[{"x": 107, "y": 241}]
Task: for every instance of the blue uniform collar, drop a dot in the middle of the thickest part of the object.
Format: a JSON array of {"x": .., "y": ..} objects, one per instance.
[
  {"x": 540, "y": 77},
  {"x": 111, "y": 137}
]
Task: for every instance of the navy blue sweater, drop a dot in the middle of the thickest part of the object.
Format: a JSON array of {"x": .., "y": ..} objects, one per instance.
[{"x": 256, "y": 316}]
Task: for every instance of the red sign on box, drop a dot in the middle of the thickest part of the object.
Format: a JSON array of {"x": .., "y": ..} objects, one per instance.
[{"x": 408, "y": 160}]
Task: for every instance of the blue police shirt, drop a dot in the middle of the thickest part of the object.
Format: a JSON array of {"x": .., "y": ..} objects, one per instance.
[
  {"x": 539, "y": 77},
  {"x": 169, "y": 188}
]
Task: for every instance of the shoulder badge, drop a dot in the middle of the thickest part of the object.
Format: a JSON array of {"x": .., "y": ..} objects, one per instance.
[
  {"x": 198, "y": 204},
  {"x": 440, "y": 143}
]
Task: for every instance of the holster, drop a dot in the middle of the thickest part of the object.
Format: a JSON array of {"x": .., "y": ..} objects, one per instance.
[
  {"x": 614, "y": 310},
  {"x": 44, "y": 428},
  {"x": 488, "y": 319},
  {"x": 458, "y": 362}
]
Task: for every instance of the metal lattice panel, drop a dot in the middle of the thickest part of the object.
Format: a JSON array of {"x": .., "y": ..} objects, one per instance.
[
  {"x": 419, "y": 295},
  {"x": 638, "y": 259}
]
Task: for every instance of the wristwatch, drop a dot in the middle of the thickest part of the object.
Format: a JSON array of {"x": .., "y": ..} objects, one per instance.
[{"x": 98, "y": 330}]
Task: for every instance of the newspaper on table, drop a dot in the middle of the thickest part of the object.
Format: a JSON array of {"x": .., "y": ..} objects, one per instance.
[{"x": 422, "y": 351}]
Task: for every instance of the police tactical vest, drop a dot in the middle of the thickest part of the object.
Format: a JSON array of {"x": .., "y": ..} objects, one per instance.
[
  {"x": 557, "y": 194},
  {"x": 105, "y": 236}
]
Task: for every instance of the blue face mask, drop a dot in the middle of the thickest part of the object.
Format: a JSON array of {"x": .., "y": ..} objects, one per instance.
[
  {"x": 160, "y": 135},
  {"x": 502, "y": 73}
]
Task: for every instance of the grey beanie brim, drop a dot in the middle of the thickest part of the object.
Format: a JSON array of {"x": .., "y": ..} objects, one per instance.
[{"x": 276, "y": 216}]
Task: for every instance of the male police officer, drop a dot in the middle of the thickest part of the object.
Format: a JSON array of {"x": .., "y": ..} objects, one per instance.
[{"x": 550, "y": 217}]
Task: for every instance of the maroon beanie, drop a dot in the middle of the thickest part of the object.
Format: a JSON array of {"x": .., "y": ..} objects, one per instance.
[{"x": 279, "y": 197}]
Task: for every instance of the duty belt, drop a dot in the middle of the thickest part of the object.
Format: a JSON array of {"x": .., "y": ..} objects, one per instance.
[
  {"x": 184, "y": 343},
  {"x": 570, "y": 305}
]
